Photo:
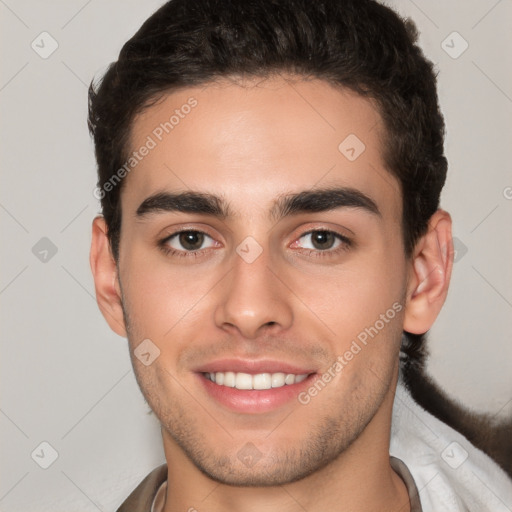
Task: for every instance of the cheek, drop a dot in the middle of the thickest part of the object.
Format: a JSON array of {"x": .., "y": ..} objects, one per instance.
[
  {"x": 158, "y": 296},
  {"x": 354, "y": 297},
  {"x": 363, "y": 307}
]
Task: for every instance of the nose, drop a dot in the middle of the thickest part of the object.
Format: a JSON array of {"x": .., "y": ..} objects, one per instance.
[{"x": 254, "y": 300}]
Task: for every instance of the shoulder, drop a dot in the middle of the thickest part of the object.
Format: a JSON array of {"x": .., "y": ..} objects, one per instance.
[
  {"x": 451, "y": 474},
  {"x": 141, "y": 498}
]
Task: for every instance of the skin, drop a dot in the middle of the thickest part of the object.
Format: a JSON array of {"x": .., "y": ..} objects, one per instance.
[{"x": 251, "y": 143}]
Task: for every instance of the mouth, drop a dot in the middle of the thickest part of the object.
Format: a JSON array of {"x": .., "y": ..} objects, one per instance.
[
  {"x": 251, "y": 387},
  {"x": 260, "y": 381}
]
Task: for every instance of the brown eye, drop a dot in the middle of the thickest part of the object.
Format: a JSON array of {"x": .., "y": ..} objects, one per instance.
[
  {"x": 322, "y": 240},
  {"x": 188, "y": 241},
  {"x": 191, "y": 240}
]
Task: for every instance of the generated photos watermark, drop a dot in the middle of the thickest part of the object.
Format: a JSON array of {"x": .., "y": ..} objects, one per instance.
[
  {"x": 152, "y": 140},
  {"x": 361, "y": 341}
]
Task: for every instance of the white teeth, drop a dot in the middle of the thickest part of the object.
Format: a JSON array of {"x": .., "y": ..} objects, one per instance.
[
  {"x": 289, "y": 379},
  {"x": 229, "y": 379},
  {"x": 278, "y": 380},
  {"x": 242, "y": 380},
  {"x": 262, "y": 381}
]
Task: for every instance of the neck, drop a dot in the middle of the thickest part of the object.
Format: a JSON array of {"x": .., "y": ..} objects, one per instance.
[{"x": 361, "y": 478}]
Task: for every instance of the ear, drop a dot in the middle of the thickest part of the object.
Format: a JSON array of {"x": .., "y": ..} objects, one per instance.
[
  {"x": 429, "y": 275},
  {"x": 106, "y": 279}
]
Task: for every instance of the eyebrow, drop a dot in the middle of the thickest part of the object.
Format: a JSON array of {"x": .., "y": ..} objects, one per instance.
[{"x": 307, "y": 201}]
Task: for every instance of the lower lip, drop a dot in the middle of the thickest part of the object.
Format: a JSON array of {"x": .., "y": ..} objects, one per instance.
[{"x": 254, "y": 400}]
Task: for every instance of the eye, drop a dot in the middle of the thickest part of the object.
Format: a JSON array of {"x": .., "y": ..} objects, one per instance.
[
  {"x": 187, "y": 241},
  {"x": 323, "y": 240}
]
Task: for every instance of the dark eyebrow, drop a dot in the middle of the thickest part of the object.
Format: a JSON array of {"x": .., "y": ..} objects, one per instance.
[
  {"x": 307, "y": 201},
  {"x": 321, "y": 200},
  {"x": 187, "y": 202}
]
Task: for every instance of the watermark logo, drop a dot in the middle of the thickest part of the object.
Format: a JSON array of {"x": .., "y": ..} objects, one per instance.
[
  {"x": 459, "y": 249},
  {"x": 44, "y": 250},
  {"x": 44, "y": 455},
  {"x": 454, "y": 45},
  {"x": 249, "y": 455},
  {"x": 454, "y": 455},
  {"x": 146, "y": 352},
  {"x": 44, "y": 45},
  {"x": 249, "y": 249},
  {"x": 352, "y": 147},
  {"x": 356, "y": 346}
]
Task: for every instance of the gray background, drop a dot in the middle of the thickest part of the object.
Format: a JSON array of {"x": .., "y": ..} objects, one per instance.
[{"x": 66, "y": 378}]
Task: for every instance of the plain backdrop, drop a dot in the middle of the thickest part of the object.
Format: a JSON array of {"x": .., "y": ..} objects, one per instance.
[{"x": 66, "y": 379}]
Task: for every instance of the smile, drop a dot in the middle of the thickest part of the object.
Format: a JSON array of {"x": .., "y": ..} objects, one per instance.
[{"x": 246, "y": 381}]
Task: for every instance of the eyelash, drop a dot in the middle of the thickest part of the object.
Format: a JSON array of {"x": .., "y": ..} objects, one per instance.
[{"x": 346, "y": 244}]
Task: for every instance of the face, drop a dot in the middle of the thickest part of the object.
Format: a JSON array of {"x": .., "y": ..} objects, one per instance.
[{"x": 261, "y": 248}]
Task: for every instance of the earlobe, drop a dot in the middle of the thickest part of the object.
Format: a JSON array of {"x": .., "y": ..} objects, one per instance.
[
  {"x": 429, "y": 275},
  {"x": 106, "y": 283}
]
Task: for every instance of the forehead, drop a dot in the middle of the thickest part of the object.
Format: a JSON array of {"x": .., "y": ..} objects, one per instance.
[{"x": 252, "y": 140}]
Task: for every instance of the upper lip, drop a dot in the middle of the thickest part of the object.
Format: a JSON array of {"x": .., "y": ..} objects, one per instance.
[{"x": 253, "y": 367}]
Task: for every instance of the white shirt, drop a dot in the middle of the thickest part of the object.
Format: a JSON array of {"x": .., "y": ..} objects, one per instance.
[{"x": 450, "y": 473}]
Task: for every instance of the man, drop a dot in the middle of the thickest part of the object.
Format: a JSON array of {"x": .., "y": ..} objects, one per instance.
[{"x": 272, "y": 246}]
